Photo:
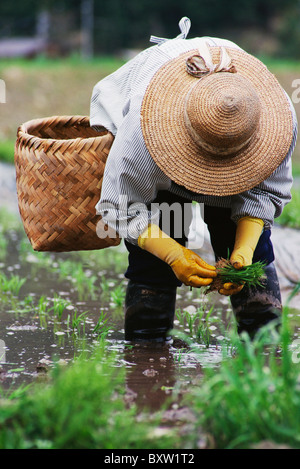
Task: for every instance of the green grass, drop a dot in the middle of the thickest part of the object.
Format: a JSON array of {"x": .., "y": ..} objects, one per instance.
[
  {"x": 291, "y": 214},
  {"x": 254, "y": 396},
  {"x": 11, "y": 284},
  {"x": 45, "y": 87},
  {"x": 296, "y": 169},
  {"x": 7, "y": 151},
  {"x": 82, "y": 407},
  {"x": 107, "y": 63},
  {"x": 280, "y": 64},
  {"x": 28, "y": 86}
]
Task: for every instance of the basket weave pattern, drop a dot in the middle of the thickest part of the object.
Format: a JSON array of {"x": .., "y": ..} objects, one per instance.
[{"x": 59, "y": 169}]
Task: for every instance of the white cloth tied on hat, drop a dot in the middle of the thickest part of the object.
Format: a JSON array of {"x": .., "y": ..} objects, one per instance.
[{"x": 201, "y": 64}]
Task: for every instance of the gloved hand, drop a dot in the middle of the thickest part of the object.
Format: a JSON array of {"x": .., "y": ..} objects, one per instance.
[
  {"x": 188, "y": 267},
  {"x": 247, "y": 235}
]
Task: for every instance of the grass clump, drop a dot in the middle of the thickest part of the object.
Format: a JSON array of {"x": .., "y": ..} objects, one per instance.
[
  {"x": 254, "y": 396},
  {"x": 250, "y": 275},
  {"x": 198, "y": 324},
  {"x": 10, "y": 285},
  {"x": 82, "y": 407}
]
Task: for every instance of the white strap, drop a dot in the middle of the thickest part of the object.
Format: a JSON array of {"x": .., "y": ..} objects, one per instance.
[{"x": 184, "y": 26}]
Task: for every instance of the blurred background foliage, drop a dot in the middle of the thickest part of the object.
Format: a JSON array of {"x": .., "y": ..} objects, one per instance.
[
  {"x": 267, "y": 27},
  {"x": 53, "y": 52}
]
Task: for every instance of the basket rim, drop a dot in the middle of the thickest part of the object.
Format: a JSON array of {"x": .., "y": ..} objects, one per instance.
[{"x": 23, "y": 129}]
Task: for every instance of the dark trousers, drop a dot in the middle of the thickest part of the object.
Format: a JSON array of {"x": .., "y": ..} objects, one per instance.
[{"x": 148, "y": 269}]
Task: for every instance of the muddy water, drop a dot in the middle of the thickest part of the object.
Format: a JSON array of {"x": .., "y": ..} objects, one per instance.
[{"x": 32, "y": 337}]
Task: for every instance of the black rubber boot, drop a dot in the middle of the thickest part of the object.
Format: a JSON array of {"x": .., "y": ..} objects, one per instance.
[
  {"x": 149, "y": 312},
  {"x": 255, "y": 307}
]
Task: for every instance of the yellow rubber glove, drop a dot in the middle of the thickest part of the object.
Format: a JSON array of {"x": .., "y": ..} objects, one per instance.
[
  {"x": 248, "y": 232},
  {"x": 247, "y": 235},
  {"x": 188, "y": 267}
]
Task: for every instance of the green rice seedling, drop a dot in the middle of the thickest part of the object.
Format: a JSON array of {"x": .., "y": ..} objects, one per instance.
[
  {"x": 84, "y": 284},
  {"x": 42, "y": 311},
  {"x": 198, "y": 324},
  {"x": 178, "y": 355},
  {"x": 3, "y": 246},
  {"x": 66, "y": 268},
  {"x": 11, "y": 285},
  {"x": 102, "y": 328},
  {"x": 43, "y": 308},
  {"x": 179, "y": 314},
  {"x": 24, "y": 306},
  {"x": 81, "y": 407},
  {"x": 253, "y": 395},
  {"x": 42, "y": 305},
  {"x": 77, "y": 322},
  {"x": 186, "y": 319},
  {"x": 59, "y": 306},
  {"x": 105, "y": 289},
  {"x": 250, "y": 275},
  {"x": 118, "y": 296},
  {"x": 202, "y": 333}
]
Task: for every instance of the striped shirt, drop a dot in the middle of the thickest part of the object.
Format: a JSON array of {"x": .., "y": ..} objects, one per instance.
[{"x": 131, "y": 177}]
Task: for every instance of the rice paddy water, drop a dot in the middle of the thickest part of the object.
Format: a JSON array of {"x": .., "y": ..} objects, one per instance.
[{"x": 55, "y": 307}]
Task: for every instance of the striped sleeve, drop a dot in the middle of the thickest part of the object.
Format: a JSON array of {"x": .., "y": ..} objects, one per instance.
[{"x": 130, "y": 183}]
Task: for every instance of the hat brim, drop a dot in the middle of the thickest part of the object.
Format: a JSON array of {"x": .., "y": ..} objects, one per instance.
[{"x": 181, "y": 159}]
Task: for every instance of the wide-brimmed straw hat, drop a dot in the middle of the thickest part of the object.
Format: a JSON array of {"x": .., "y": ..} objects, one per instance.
[{"x": 216, "y": 120}]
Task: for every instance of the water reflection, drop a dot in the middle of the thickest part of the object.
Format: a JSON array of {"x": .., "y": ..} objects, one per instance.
[
  {"x": 150, "y": 374},
  {"x": 32, "y": 337}
]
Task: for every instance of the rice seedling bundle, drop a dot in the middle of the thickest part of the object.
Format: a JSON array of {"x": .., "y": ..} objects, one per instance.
[{"x": 251, "y": 275}]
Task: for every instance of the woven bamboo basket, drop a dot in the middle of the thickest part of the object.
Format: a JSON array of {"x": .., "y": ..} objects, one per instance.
[{"x": 60, "y": 163}]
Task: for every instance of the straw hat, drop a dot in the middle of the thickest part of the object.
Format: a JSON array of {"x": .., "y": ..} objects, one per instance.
[{"x": 216, "y": 121}]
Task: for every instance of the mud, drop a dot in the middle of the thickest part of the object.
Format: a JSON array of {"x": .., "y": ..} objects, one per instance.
[{"x": 32, "y": 340}]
